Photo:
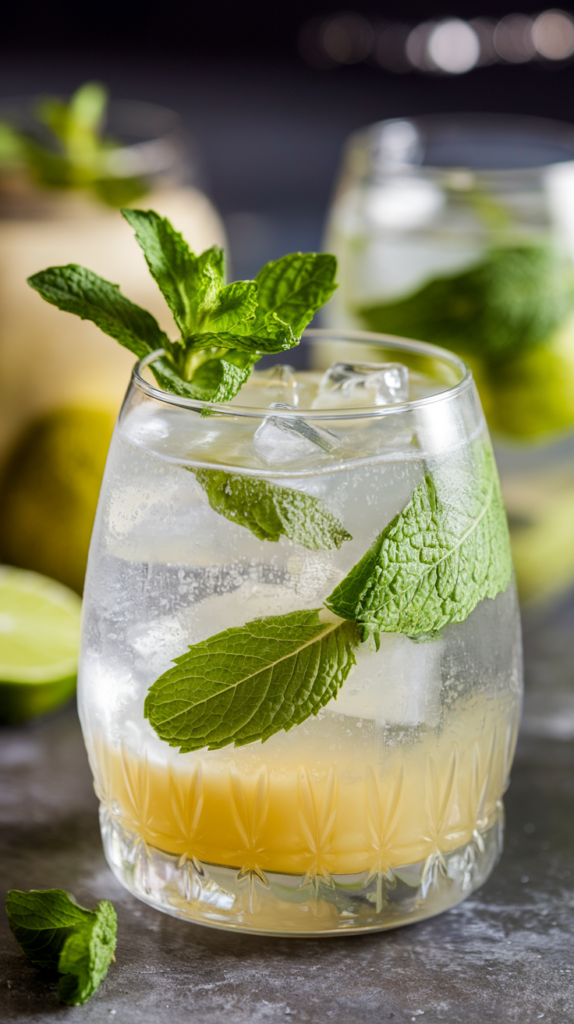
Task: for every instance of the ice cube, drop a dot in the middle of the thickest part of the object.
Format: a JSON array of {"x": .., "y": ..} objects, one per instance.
[
  {"x": 356, "y": 384},
  {"x": 277, "y": 383},
  {"x": 285, "y": 439}
]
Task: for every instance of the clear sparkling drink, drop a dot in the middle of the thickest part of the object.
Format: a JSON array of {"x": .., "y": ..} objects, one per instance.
[{"x": 340, "y": 538}]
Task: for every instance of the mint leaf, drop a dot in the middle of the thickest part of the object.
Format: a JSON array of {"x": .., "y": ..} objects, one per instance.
[
  {"x": 182, "y": 278},
  {"x": 41, "y": 920},
  {"x": 235, "y": 305},
  {"x": 247, "y": 683},
  {"x": 295, "y": 287},
  {"x": 192, "y": 286},
  {"x": 87, "y": 954},
  {"x": 272, "y": 335},
  {"x": 220, "y": 375},
  {"x": 438, "y": 558},
  {"x": 55, "y": 933},
  {"x": 75, "y": 289},
  {"x": 510, "y": 301},
  {"x": 270, "y": 511}
]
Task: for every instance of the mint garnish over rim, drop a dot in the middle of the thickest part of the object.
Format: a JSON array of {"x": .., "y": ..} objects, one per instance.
[
  {"x": 446, "y": 551},
  {"x": 57, "y": 934},
  {"x": 224, "y": 329},
  {"x": 70, "y": 150}
]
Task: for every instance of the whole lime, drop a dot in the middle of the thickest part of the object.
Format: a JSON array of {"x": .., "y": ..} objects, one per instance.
[
  {"x": 49, "y": 493},
  {"x": 532, "y": 397}
]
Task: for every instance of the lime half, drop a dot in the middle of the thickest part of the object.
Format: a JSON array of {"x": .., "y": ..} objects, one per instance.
[{"x": 39, "y": 640}]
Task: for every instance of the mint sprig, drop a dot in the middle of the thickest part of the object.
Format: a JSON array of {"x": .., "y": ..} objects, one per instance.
[
  {"x": 57, "y": 934},
  {"x": 444, "y": 553},
  {"x": 70, "y": 150},
  {"x": 223, "y": 328},
  {"x": 271, "y": 511}
]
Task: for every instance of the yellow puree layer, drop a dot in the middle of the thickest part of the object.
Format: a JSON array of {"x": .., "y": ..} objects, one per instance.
[{"x": 299, "y": 804}]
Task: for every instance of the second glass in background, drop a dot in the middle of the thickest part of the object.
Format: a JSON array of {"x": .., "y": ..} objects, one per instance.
[{"x": 460, "y": 231}]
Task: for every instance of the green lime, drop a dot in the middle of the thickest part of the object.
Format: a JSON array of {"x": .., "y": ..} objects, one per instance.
[
  {"x": 49, "y": 493},
  {"x": 39, "y": 638},
  {"x": 532, "y": 397}
]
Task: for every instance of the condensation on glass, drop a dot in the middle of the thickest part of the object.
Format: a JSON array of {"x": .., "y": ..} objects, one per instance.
[{"x": 386, "y": 807}]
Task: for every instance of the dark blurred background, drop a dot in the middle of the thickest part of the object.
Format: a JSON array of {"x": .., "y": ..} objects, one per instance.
[{"x": 269, "y": 91}]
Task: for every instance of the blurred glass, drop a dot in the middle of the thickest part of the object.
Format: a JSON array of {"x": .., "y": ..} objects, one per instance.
[
  {"x": 49, "y": 361},
  {"x": 460, "y": 231}
]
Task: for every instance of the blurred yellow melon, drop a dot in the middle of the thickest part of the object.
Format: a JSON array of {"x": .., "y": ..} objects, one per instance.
[{"x": 49, "y": 493}]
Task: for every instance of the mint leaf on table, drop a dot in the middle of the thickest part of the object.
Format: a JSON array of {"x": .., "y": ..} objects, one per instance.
[
  {"x": 271, "y": 511},
  {"x": 438, "y": 558},
  {"x": 224, "y": 328},
  {"x": 510, "y": 301},
  {"x": 247, "y": 683},
  {"x": 57, "y": 934}
]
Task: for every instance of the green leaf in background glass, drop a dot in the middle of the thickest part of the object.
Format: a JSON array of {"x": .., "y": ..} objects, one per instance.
[
  {"x": 75, "y": 289},
  {"x": 56, "y": 934},
  {"x": 78, "y": 122},
  {"x": 270, "y": 511},
  {"x": 510, "y": 301},
  {"x": 438, "y": 558},
  {"x": 295, "y": 287},
  {"x": 11, "y": 149},
  {"x": 76, "y": 155},
  {"x": 247, "y": 683}
]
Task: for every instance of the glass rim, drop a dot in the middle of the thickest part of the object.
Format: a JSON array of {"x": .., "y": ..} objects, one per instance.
[
  {"x": 548, "y": 129},
  {"x": 420, "y": 348}
]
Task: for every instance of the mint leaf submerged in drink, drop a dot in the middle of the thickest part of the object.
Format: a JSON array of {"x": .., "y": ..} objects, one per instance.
[
  {"x": 271, "y": 511},
  {"x": 57, "y": 934},
  {"x": 246, "y": 683},
  {"x": 431, "y": 566},
  {"x": 444, "y": 553},
  {"x": 509, "y": 302},
  {"x": 224, "y": 329}
]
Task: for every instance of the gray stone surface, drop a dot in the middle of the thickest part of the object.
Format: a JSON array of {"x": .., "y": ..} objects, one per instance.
[{"x": 503, "y": 955}]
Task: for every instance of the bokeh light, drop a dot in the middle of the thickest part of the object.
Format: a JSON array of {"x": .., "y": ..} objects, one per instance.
[
  {"x": 513, "y": 39},
  {"x": 553, "y": 35},
  {"x": 454, "y": 46},
  {"x": 448, "y": 46}
]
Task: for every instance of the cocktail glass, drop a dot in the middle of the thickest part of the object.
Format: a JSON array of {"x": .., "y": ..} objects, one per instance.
[
  {"x": 459, "y": 230},
  {"x": 376, "y": 800}
]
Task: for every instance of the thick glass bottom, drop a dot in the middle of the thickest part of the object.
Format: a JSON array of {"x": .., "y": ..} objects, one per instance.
[{"x": 268, "y": 903}]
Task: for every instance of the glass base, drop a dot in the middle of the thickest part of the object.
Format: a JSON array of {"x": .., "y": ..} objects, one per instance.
[{"x": 280, "y": 904}]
